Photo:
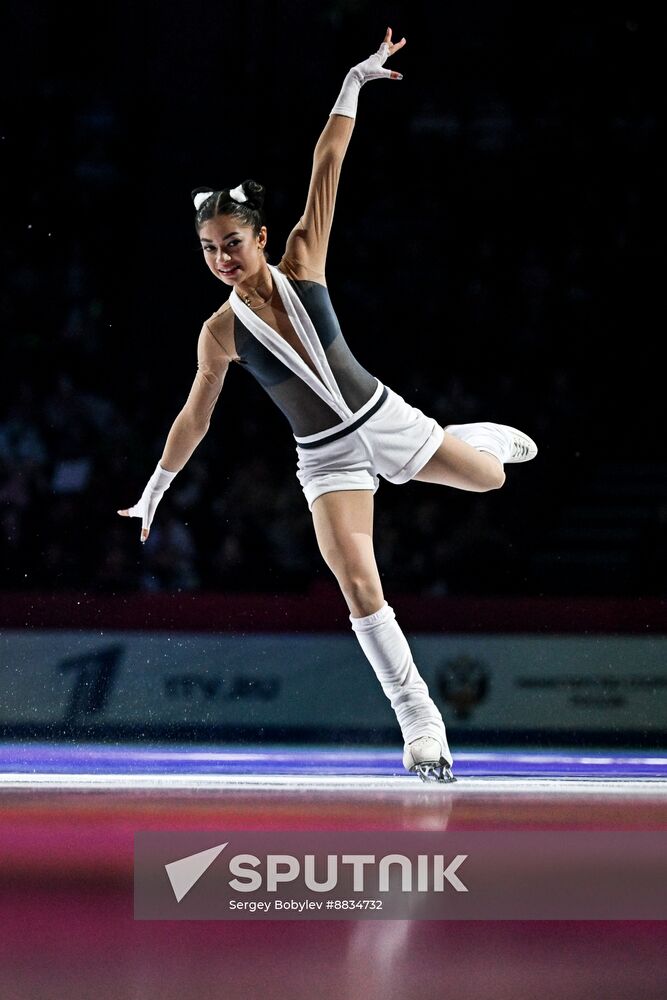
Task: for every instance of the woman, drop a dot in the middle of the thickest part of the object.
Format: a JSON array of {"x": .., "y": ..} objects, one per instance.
[{"x": 349, "y": 428}]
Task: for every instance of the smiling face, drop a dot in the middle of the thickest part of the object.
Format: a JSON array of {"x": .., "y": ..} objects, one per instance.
[{"x": 232, "y": 251}]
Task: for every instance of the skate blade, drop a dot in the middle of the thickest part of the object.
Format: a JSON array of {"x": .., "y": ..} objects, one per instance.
[{"x": 431, "y": 771}]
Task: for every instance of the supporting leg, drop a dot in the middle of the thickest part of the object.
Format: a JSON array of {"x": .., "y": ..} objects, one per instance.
[
  {"x": 343, "y": 525},
  {"x": 387, "y": 650}
]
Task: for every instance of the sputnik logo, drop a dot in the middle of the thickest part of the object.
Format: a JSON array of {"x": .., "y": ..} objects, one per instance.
[{"x": 186, "y": 872}]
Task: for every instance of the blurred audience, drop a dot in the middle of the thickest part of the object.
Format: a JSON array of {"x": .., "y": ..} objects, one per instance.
[{"x": 532, "y": 255}]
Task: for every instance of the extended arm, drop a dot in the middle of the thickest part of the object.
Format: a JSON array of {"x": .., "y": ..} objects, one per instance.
[
  {"x": 187, "y": 430},
  {"x": 306, "y": 250},
  {"x": 193, "y": 421}
]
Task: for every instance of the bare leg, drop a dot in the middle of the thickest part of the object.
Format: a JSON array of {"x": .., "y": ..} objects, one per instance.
[
  {"x": 458, "y": 464},
  {"x": 343, "y": 523}
]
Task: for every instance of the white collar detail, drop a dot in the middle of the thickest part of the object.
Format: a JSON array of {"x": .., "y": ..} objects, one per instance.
[{"x": 325, "y": 386}]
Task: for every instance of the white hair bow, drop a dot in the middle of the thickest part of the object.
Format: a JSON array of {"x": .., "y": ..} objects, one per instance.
[
  {"x": 200, "y": 198},
  {"x": 237, "y": 193}
]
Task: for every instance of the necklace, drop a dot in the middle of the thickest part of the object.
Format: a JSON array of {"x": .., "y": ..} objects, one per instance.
[
  {"x": 262, "y": 279},
  {"x": 246, "y": 298}
]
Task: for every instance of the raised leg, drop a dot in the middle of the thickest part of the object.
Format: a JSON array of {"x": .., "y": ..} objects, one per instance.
[{"x": 472, "y": 456}]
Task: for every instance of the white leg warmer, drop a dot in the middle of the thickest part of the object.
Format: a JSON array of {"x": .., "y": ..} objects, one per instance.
[{"x": 387, "y": 651}]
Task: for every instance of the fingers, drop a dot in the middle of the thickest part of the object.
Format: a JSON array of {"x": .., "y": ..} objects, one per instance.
[
  {"x": 145, "y": 528},
  {"x": 386, "y": 74},
  {"x": 393, "y": 47}
]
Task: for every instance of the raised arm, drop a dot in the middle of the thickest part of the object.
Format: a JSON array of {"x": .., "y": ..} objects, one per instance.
[
  {"x": 187, "y": 430},
  {"x": 306, "y": 249}
]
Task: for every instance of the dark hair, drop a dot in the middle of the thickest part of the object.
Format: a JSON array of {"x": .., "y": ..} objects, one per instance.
[{"x": 249, "y": 213}]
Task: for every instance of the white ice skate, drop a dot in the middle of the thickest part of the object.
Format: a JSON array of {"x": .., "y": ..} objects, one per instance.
[
  {"x": 425, "y": 756},
  {"x": 507, "y": 443}
]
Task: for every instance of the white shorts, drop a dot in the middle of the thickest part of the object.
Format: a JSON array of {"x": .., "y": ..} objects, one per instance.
[{"x": 395, "y": 442}]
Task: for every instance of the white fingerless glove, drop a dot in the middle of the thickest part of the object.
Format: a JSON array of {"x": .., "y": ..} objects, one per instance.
[
  {"x": 155, "y": 489},
  {"x": 369, "y": 69}
]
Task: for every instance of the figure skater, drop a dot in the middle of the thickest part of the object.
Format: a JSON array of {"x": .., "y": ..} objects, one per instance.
[{"x": 350, "y": 428}]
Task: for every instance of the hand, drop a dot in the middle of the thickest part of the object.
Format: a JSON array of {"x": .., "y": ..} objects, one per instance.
[
  {"x": 371, "y": 68},
  {"x": 145, "y": 509},
  {"x": 150, "y": 498}
]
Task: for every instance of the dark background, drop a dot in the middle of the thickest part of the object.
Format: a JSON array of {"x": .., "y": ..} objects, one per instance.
[{"x": 497, "y": 254}]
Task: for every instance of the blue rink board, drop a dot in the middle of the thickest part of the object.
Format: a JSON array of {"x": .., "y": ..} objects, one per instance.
[{"x": 84, "y": 758}]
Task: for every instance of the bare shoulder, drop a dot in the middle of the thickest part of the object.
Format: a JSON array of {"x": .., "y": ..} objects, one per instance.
[{"x": 220, "y": 328}]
